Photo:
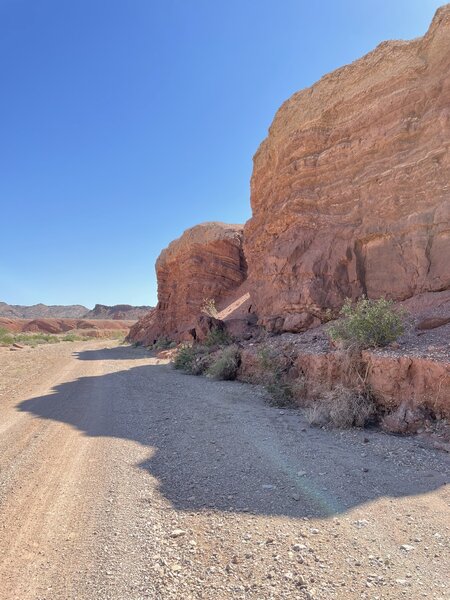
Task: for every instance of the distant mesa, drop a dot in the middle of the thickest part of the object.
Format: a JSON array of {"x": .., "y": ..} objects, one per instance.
[
  {"x": 73, "y": 311},
  {"x": 118, "y": 311}
]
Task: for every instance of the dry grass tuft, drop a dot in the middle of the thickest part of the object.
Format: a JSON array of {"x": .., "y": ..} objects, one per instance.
[{"x": 342, "y": 408}]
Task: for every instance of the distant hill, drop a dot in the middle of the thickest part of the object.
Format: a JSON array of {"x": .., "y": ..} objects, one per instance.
[
  {"x": 74, "y": 311},
  {"x": 15, "y": 311},
  {"x": 118, "y": 311}
]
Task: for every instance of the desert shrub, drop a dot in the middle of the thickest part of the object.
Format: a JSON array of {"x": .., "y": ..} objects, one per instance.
[
  {"x": 116, "y": 335},
  {"x": 368, "y": 323},
  {"x": 225, "y": 364},
  {"x": 280, "y": 392},
  {"x": 273, "y": 367},
  {"x": 184, "y": 358},
  {"x": 209, "y": 308},
  {"x": 218, "y": 337},
  {"x": 164, "y": 343},
  {"x": 34, "y": 339},
  {"x": 71, "y": 337},
  {"x": 194, "y": 360},
  {"x": 6, "y": 338},
  {"x": 341, "y": 407}
]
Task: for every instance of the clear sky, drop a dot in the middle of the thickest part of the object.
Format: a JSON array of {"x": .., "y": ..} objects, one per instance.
[{"x": 122, "y": 123}]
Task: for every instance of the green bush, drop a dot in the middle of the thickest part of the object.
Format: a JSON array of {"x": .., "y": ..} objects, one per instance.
[
  {"x": 34, "y": 339},
  {"x": 368, "y": 324},
  {"x": 6, "y": 338},
  {"x": 164, "y": 343},
  {"x": 273, "y": 367},
  {"x": 194, "y": 360},
  {"x": 72, "y": 337},
  {"x": 218, "y": 337},
  {"x": 225, "y": 364}
]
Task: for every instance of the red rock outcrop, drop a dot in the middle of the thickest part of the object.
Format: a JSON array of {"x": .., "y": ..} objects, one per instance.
[
  {"x": 207, "y": 261},
  {"x": 350, "y": 191}
]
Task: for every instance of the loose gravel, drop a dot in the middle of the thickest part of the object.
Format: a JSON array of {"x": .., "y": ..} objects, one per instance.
[{"x": 123, "y": 479}]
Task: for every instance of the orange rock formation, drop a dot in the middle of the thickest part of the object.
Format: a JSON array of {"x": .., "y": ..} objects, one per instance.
[
  {"x": 351, "y": 189},
  {"x": 207, "y": 261}
]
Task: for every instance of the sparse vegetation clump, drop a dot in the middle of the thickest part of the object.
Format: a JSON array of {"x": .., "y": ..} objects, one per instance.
[
  {"x": 209, "y": 308},
  {"x": 8, "y": 338},
  {"x": 342, "y": 407},
  {"x": 164, "y": 343},
  {"x": 368, "y": 324},
  {"x": 274, "y": 367},
  {"x": 73, "y": 337},
  {"x": 225, "y": 364},
  {"x": 193, "y": 360},
  {"x": 218, "y": 337}
]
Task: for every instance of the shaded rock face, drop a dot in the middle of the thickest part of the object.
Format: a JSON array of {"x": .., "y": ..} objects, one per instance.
[
  {"x": 207, "y": 261},
  {"x": 350, "y": 192},
  {"x": 144, "y": 329}
]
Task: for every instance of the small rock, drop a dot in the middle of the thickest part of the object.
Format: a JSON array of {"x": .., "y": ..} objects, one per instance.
[
  {"x": 361, "y": 523},
  {"x": 176, "y": 533},
  {"x": 406, "y": 547},
  {"x": 298, "y": 547}
]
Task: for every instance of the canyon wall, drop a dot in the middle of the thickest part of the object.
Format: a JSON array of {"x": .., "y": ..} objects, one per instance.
[
  {"x": 350, "y": 191},
  {"x": 207, "y": 261},
  {"x": 350, "y": 195}
]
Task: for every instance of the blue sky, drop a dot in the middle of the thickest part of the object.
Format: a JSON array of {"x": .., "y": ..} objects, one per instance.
[{"x": 125, "y": 122}]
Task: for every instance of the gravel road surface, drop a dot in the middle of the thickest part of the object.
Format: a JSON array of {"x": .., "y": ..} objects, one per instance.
[{"x": 123, "y": 479}]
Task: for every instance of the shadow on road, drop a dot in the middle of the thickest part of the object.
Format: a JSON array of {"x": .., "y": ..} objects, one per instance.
[
  {"x": 121, "y": 352},
  {"x": 219, "y": 446}
]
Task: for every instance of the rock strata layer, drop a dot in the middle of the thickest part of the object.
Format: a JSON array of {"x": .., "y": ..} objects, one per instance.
[
  {"x": 350, "y": 191},
  {"x": 206, "y": 262}
]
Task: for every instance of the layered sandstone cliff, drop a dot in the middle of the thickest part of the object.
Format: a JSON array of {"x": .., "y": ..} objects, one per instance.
[
  {"x": 206, "y": 262},
  {"x": 351, "y": 189}
]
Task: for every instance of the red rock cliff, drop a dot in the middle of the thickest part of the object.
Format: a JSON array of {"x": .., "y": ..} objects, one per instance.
[
  {"x": 350, "y": 191},
  {"x": 207, "y": 261}
]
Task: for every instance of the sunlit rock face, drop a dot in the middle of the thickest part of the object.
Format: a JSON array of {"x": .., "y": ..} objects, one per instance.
[
  {"x": 350, "y": 191},
  {"x": 206, "y": 262}
]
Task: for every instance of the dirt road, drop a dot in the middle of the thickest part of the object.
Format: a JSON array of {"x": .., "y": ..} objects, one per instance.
[{"x": 123, "y": 479}]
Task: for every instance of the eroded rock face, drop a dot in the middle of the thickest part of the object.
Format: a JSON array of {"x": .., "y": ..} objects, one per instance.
[
  {"x": 207, "y": 261},
  {"x": 351, "y": 189}
]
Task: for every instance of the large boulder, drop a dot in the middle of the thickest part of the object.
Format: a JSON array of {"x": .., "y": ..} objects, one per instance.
[
  {"x": 350, "y": 191},
  {"x": 206, "y": 262}
]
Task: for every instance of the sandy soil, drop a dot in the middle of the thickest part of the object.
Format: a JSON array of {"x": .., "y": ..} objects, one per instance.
[{"x": 123, "y": 479}]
